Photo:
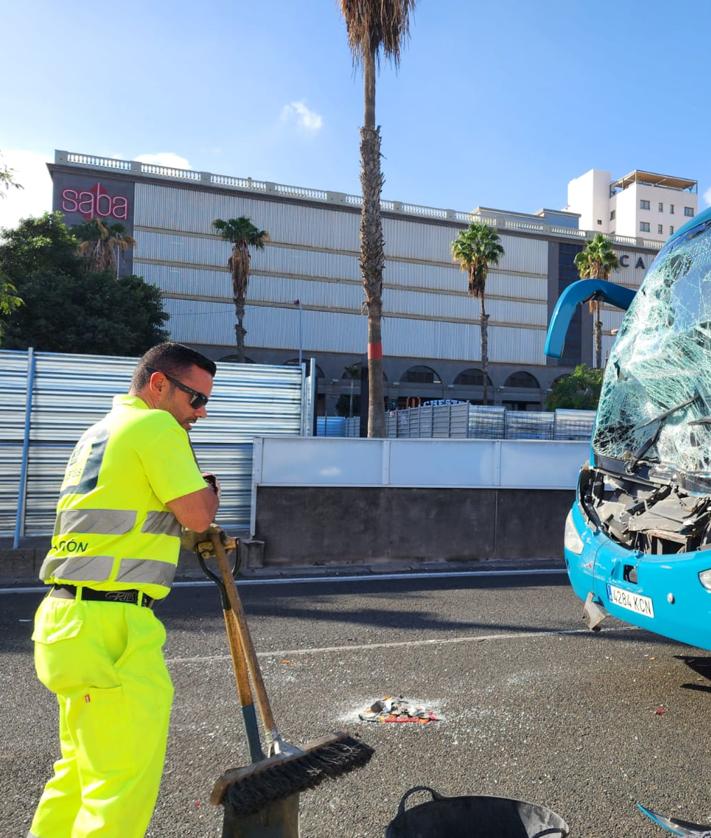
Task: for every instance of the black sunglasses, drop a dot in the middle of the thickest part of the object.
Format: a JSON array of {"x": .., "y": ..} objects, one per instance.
[{"x": 197, "y": 399}]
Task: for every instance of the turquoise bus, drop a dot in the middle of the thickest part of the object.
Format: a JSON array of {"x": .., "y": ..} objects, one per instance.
[{"x": 638, "y": 537}]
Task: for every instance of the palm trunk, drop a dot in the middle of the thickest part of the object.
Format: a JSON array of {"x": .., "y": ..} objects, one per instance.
[
  {"x": 598, "y": 337},
  {"x": 484, "y": 325},
  {"x": 372, "y": 256},
  {"x": 240, "y": 331},
  {"x": 238, "y": 295}
]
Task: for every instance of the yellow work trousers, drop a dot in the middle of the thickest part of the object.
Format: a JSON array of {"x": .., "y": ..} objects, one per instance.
[{"x": 104, "y": 662}]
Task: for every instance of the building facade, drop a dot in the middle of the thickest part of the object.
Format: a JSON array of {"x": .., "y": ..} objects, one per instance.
[
  {"x": 305, "y": 294},
  {"x": 640, "y": 204}
]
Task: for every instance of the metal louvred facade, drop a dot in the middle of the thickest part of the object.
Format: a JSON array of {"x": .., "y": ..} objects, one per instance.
[
  {"x": 313, "y": 257},
  {"x": 305, "y": 290}
]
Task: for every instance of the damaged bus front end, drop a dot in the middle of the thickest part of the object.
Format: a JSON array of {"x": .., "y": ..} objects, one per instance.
[{"x": 638, "y": 538}]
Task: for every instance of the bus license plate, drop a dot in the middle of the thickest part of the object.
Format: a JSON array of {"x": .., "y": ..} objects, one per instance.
[{"x": 632, "y": 602}]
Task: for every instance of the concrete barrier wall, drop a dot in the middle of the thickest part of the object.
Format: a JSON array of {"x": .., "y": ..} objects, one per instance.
[
  {"x": 317, "y": 525},
  {"x": 350, "y": 501}
]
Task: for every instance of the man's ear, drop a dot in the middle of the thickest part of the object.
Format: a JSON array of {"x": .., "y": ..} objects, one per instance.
[{"x": 157, "y": 382}]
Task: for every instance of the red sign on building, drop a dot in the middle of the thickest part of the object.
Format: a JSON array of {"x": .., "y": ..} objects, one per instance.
[{"x": 95, "y": 202}]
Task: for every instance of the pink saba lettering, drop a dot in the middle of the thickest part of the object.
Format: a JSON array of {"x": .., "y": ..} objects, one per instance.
[
  {"x": 95, "y": 203},
  {"x": 120, "y": 207},
  {"x": 103, "y": 202},
  {"x": 69, "y": 200}
]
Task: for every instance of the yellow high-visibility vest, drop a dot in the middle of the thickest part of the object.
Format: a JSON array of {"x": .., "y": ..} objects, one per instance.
[{"x": 113, "y": 529}]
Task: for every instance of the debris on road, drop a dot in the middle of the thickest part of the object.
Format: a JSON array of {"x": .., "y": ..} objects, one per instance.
[
  {"x": 661, "y": 710},
  {"x": 397, "y": 710},
  {"x": 675, "y": 825}
]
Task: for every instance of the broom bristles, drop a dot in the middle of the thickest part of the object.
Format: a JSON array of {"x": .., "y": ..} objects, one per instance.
[{"x": 278, "y": 778}]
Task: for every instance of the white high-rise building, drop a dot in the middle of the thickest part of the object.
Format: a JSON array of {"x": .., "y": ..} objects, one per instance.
[{"x": 641, "y": 204}]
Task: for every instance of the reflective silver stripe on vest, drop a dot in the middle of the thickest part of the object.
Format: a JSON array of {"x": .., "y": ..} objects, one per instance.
[
  {"x": 98, "y": 521},
  {"x": 161, "y": 523},
  {"x": 78, "y": 568},
  {"x": 146, "y": 570}
]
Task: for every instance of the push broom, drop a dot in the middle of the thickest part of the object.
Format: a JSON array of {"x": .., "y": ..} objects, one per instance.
[{"x": 288, "y": 770}]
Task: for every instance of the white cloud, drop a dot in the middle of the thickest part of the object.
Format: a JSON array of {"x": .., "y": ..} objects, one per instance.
[
  {"x": 165, "y": 158},
  {"x": 305, "y": 118},
  {"x": 29, "y": 170},
  {"x": 707, "y": 196}
]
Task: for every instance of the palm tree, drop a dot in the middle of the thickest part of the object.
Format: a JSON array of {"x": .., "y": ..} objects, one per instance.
[
  {"x": 242, "y": 234},
  {"x": 372, "y": 26},
  {"x": 476, "y": 249},
  {"x": 596, "y": 261},
  {"x": 101, "y": 243}
]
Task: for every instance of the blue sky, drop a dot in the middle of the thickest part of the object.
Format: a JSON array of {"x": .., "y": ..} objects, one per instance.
[{"x": 495, "y": 104}]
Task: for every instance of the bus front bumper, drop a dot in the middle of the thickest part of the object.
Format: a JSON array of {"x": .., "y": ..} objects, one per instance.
[{"x": 664, "y": 594}]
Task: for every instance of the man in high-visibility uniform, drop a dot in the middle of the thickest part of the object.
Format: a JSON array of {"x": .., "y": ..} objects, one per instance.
[{"x": 130, "y": 484}]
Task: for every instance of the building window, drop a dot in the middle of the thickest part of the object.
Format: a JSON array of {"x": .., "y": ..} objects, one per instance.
[
  {"x": 472, "y": 378},
  {"x": 521, "y": 379},
  {"x": 660, "y": 229},
  {"x": 689, "y": 212},
  {"x": 671, "y": 229},
  {"x": 612, "y": 215},
  {"x": 644, "y": 204},
  {"x": 599, "y": 221},
  {"x": 671, "y": 209},
  {"x": 421, "y": 375},
  {"x": 644, "y": 226},
  {"x": 661, "y": 207}
]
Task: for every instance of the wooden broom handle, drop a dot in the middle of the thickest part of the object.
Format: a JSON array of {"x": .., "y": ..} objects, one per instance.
[
  {"x": 244, "y": 691},
  {"x": 242, "y": 630}
]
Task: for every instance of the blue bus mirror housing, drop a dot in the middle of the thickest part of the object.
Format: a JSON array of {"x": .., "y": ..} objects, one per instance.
[{"x": 570, "y": 299}]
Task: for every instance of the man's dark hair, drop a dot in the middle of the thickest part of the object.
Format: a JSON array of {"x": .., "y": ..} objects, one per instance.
[{"x": 171, "y": 358}]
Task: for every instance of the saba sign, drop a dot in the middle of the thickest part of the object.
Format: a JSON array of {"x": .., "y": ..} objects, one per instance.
[
  {"x": 95, "y": 202},
  {"x": 81, "y": 197}
]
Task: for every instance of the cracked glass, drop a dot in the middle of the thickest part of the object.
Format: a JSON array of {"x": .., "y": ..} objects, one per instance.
[{"x": 657, "y": 384}]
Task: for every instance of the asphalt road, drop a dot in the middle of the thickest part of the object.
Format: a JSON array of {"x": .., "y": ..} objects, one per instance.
[{"x": 532, "y": 705}]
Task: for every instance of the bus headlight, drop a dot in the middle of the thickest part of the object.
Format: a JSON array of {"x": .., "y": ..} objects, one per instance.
[
  {"x": 705, "y": 579},
  {"x": 574, "y": 542}
]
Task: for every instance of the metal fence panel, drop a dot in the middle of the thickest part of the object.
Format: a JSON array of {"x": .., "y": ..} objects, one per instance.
[
  {"x": 529, "y": 424},
  {"x": 353, "y": 426},
  {"x": 487, "y": 421},
  {"x": 13, "y": 391},
  {"x": 390, "y": 425},
  {"x": 71, "y": 392},
  {"x": 459, "y": 421},
  {"x": 574, "y": 424},
  {"x": 426, "y": 418},
  {"x": 441, "y": 421}
]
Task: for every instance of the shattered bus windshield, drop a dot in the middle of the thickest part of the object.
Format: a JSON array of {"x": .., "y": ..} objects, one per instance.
[{"x": 657, "y": 383}]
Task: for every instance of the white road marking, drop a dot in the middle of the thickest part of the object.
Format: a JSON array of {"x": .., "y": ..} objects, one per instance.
[{"x": 435, "y": 641}]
